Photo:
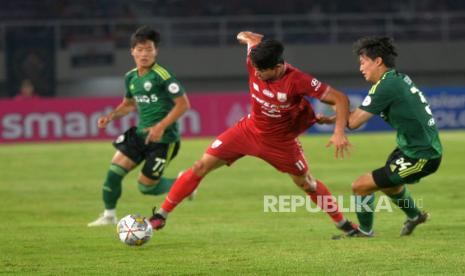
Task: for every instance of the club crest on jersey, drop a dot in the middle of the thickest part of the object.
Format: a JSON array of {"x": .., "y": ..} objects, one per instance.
[
  {"x": 147, "y": 85},
  {"x": 268, "y": 93},
  {"x": 282, "y": 97},
  {"x": 216, "y": 144}
]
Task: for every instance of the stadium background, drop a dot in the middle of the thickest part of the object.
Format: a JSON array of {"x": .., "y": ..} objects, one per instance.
[
  {"x": 76, "y": 53},
  {"x": 79, "y": 50}
]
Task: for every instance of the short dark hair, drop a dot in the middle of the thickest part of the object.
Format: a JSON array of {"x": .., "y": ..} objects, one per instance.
[
  {"x": 267, "y": 54},
  {"x": 377, "y": 46},
  {"x": 143, "y": 34}
]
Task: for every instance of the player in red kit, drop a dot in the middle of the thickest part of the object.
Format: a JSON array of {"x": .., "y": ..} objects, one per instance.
[{"x": 279, "y": 114}]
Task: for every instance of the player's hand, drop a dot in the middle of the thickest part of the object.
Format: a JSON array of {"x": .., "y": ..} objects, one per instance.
[
  {"x": 247, "y": 37},
  {"x": 103, "y": 121},
  {"x": 325, "y": 120},
  {"x": 154, "y": 133},
  {"x": 341, "y": 143}
]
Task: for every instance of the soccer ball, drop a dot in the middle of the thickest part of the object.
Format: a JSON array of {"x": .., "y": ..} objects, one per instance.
[{"x": 134, "y": 230}]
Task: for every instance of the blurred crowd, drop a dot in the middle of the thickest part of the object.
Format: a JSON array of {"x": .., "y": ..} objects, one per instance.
[{"x": 123, "y": 9}]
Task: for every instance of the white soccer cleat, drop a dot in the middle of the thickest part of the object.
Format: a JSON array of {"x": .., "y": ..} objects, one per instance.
[{"x": 103, "y": 220}]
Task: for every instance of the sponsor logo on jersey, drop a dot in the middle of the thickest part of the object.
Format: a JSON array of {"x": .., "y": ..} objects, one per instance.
[
  {"x": 366, "y": 101},
  {"x": 268, "y": 93},
  {"x": 255, "y": 86},
  {"x": 282, "y": 97},
  {"x": 316, "y": 84},
  {"x": 431, "y": 122},
  {"x": 173, "y": 88},
  {"x": 147, "y": 85},
  {"x": 270, "y": 110},
  {"x": 146, "y": 99},
  {"x": 216, "y": 144}
]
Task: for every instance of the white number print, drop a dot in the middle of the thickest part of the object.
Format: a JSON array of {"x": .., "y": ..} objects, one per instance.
[
  {"x": 415, "y": 90},
  {"x": 159, "y": 165},
  {"x": 403, "y": 165}
]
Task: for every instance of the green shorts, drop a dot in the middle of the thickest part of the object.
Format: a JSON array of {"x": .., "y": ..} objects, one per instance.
[
  {"x": 156, "y": 155},
  {"x": 401, "y": 169}
]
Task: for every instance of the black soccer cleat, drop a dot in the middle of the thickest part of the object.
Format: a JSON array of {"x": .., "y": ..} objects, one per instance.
[
  {"x": 157, "y": 221},
  {"x": 348, "y": 227},
  {"x": 356, "y": 233},
  {"x": 410, "y": 224}
]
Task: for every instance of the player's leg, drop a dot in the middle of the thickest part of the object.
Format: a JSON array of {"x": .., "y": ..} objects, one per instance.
[
  {"x": 151, "y": 180},
  {"x": 125, "y": 159},
  {"x": 363, "y": 189},
  {"x": 404, "y": 169},
  {"x": 288, "y": 157},
  {"x": 184, "y": 186},
  {"x": 227, "y": 148},
  {"x": 399, "y": 169},
  {"x": 322, "y": 197},
  {"x": 112, "y": 187}
]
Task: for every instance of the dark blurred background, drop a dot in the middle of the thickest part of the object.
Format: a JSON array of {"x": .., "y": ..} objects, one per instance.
[{"x": 81, "y": 48}]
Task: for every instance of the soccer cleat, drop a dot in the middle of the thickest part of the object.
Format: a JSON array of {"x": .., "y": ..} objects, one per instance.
[
  {"x": 157, "y": 221},
  {"x": 348, "y": 227},
  {"x": 356, "y": 233},
  {"x": 410, "y": 224},
  {"x": 103, "y": 220}
]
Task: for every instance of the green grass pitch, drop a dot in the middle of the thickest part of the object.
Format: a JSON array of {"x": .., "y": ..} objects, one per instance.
[{"x": 49, "y": 192}]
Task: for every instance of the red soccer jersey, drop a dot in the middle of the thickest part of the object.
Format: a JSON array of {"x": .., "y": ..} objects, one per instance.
[{"x": 279, "y": 108}]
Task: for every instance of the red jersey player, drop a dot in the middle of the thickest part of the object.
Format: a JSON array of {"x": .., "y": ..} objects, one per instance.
[{"x": 279, "y": 114}]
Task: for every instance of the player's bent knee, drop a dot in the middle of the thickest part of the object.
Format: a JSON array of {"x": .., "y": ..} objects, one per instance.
[
  {"x": 199, "y": 168},
  {"x": 144, "y": 180},
  {"x": 357, "y": 188}
]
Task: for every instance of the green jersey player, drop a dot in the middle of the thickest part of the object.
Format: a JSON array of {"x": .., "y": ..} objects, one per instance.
[
  {"x": 402, "y": 105},
  {"x": 159, "y": 100}
]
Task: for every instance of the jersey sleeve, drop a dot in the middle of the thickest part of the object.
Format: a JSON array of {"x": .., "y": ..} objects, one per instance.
[
  {"x": 174, "y": 87},
  {"x": 128, "y": 93},
  {"x": 378, "y": 99},
  {"x": 308, "y": 85}
]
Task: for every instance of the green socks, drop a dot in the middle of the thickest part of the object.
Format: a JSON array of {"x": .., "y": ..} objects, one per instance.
[
  {"x": 365, "y": 211},
  {"x": 365, "y": 208},
  {"x": 161, "y": 187},
  {"x": 112, "y": 186},
  {"x": 406, "y": 203}
]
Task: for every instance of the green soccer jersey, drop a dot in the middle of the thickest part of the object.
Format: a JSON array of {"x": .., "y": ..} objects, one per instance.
[
  {"x": 154, "y": 94},
  {"x": 399, "y": 102}
]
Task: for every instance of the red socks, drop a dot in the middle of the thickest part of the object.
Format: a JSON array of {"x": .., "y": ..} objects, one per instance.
[
  {"x": 181, "y": 188},
  {"x": 324, "y": 199}
]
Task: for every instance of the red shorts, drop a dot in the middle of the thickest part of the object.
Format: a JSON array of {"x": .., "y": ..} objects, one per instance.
[{"x": 286, "y": 155}]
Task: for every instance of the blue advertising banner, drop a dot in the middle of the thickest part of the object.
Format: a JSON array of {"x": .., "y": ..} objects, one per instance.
[{"x": 447, "y": 105}]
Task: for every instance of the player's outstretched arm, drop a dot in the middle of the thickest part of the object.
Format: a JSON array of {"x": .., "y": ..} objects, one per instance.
[
  {"x": 357, "y": 118},
  {"x": 341, "y": 103},
  {"x": 124, "y": 108},
  {"x": 249, "y": 38}
]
